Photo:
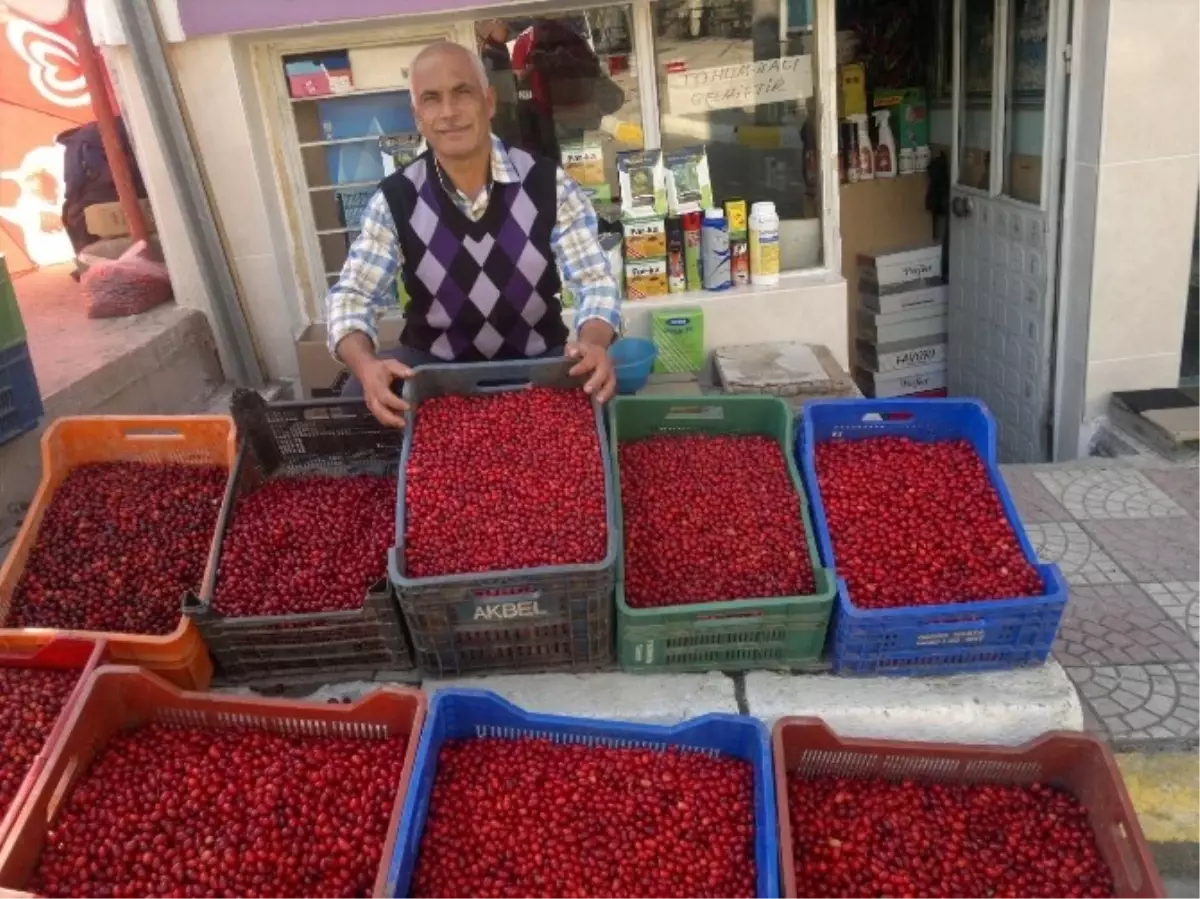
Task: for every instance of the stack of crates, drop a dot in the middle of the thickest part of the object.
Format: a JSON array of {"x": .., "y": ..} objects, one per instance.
[
  {"x": 900, "y": 348},
  {"x": 20, "y": 399}
]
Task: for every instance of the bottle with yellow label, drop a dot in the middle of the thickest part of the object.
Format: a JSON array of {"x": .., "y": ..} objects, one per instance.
[{"x": 764, "y": 244}]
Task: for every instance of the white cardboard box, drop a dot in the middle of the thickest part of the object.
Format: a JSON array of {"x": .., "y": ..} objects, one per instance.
[
  {"x": 925, "y": 321},
  {"x": 905, "y": 301},
  {"x": 900, "y": 266},
  {"x": 905, "y": 354},
  {"x": 903, "y": 383}
]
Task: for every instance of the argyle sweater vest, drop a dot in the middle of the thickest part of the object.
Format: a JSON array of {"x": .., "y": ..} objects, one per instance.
[{"x": 479, "y": 290}]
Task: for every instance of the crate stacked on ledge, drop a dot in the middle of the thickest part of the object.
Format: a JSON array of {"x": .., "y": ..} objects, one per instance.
[
  {"x": 902, "y": 325},
  {"x": 20, "y": 398},
  {"x": 506, "y": 541},
  {"x": 296, "y": 590}
]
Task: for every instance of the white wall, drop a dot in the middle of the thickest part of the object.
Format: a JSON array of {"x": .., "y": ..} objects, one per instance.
[{"x": 1135, "y": 193}]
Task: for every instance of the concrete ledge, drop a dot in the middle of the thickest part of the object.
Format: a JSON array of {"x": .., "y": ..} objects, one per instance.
[
  {"x": 1007, "y": 707},
  {"x": 646, "y": 699}
]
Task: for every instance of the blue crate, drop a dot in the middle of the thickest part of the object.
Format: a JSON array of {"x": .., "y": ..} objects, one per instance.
[
  {"x": 953, "y": 638},
  {"x": 457, "y": 714},
  {"x": 20, "y": 399}
]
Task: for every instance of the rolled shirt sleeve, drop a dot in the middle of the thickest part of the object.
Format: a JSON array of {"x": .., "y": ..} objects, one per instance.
[
  {"x": 364, "y": 288},
  {"x": 583, "y": 262}
]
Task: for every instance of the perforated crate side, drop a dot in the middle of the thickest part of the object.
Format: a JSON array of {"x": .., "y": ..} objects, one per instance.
[
  {"x": 955, "y": 637},
  {"x": 1079, "y": 763},
  {"x": 461, "y": 714},
  {"x": 557, "y": 617},
  {"x": 20, "y": 398}
]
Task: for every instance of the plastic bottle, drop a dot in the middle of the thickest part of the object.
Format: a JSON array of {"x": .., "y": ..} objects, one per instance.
[
  {"x": 885, "y": 151},
  {"x": 714, "y": 251},
  {"x": 764, "y": 244},
  {"x": 866, "y": 155}
]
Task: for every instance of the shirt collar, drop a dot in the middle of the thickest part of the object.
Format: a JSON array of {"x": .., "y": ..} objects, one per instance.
[{"x": 503, "y": 170}]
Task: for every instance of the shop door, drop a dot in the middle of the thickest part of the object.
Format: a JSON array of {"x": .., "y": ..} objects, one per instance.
[{"x": 1009, "y": 76}]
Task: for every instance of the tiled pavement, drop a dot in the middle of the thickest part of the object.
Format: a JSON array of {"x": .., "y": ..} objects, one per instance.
[{"x": 1126, "y": 538}]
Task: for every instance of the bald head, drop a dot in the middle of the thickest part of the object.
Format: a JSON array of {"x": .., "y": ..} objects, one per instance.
[
  {"x": 452, "y": 101},
  {"x": 432, "y": 55}
]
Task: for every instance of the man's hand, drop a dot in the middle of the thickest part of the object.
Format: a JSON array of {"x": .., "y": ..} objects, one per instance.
[
  {"x": 595, "y": 362},
  {"x": 377, "y": 377}
]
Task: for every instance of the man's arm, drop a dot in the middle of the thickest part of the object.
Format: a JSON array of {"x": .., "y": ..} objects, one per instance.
[
  {"x": 354, "y": 304},
  {"x": 584, "y": 265}
]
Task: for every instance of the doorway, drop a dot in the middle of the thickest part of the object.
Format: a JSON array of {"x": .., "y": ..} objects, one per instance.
[{"x": 1009, "y": 73}]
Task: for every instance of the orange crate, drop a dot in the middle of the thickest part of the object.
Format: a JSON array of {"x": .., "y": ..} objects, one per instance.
[
  {"x": 61, "y": 653},
  {"x": 70, "y": 442},
  {"x": 120, "y": 697},
  {"x": 1077, "y": 762}
]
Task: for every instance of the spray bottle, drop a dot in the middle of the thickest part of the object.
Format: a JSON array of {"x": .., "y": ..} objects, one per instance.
[
  {"x": 885, "y": 152},
  {"x": 866, "y": 155}
]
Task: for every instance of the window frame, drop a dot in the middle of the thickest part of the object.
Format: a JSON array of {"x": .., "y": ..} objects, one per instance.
[{"x": 287, "y": 162}]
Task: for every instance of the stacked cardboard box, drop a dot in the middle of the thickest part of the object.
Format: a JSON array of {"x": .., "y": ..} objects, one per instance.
[{"x": 900, "y": 348}]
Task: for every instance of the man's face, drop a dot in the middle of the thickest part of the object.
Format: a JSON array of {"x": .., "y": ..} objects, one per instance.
[{"x": 453, "y": 109}]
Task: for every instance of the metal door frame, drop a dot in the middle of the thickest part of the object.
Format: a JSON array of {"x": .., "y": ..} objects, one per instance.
[{"x": 1054, "y": 141}]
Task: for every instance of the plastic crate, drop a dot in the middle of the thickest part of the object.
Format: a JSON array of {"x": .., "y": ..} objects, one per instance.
[
  {"x": 776, "y": 632},
  {"x": 59, "y": 654},
  {"x": 288, "y": 440},
  {"x": 12, "y": 326},
  {"x": 1077, "y": 762},
  {"x": 120, "y": 698},
  {"x": 946, "y": 639},
  {"x": 20, "y": 398},
  {"x": 456, "y": 714},
  {"x": 70, "y": 442},
  {"x": 571, "y": 622}
]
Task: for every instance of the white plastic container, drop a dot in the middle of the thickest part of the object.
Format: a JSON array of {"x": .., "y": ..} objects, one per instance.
[
  {"x": 866, "y": 154},
  {"x": 885, "y": 150},
  {"x": 764, "y": 244},
  {"x": 714, "y": 251}
]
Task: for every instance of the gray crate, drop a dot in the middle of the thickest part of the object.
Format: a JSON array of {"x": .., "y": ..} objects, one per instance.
[
  {"x": 295, "y": 439},
  {"x": 533, "y": 619}
]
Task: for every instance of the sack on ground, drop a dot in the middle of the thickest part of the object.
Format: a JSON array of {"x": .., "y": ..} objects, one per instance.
[{"x": 127, "y": 285}]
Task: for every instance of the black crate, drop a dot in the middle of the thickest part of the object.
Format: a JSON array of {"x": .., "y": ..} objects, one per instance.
[
  {"x": 521, "y": 620},
  {"x": 290, "y": 440}
]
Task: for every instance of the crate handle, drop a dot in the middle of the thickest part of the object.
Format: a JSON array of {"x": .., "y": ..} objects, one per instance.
[
  {"x": 695, "y": 412},
  {"x": 156, "y": 434},
  {"x": 723, "y": 620},
  {"x": 502, "y": 385},
  {"x": 526, "y": 594},
  {"x": 875, "y": 417}
]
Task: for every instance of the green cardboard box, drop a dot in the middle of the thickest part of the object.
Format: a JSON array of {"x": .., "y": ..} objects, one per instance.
[
  {"x": 679, "y": 336},
  {"x": 910, "y": 115}
]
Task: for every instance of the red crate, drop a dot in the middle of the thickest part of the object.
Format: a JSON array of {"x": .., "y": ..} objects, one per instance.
[
  {"x": 1076, "y": 762},
  {"x": 64, "y": 652},
  {"x": 119, "y": 697}
]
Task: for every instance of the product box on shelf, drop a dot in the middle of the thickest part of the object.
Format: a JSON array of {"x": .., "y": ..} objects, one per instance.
[
  {"x": 902, "y": 383},
  {"x": 557, "y": 617},
  {"x": 921, "y": 298},
  {"x": 904, "y": 355},
  {"x": 890, "y": 268},
  {"x": 291, "y": 440},
  {"x": 120, "y": 698},
  {"x": 923, "y": 321},
  {"x": 910, "y": 114},
  {"x": 767, "y": 632},
  {"x": 940, "y": 639},
  {"x": 646, "y": 278},
  {"x": 679, "y": 336},
  {"x": 458, "y": 714},
  {"x": 69, "y": 443},
  {"x": 1078, "y": 763},
  {"x": 645, "y": 239}
]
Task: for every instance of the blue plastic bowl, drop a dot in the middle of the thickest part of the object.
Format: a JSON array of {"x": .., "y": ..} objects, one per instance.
[{"x": 633, "y": 357}]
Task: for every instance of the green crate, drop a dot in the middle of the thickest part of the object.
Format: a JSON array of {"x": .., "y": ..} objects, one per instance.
[
  {"x": 779, "y": 632},
  {"x": 12, "y": 328}
]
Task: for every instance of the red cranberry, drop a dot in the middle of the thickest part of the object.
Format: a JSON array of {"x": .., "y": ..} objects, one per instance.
[{"x": 30, "y": 702}]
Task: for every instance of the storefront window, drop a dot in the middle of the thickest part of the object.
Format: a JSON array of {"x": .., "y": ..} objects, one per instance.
[
  {"x": 735, "y": 78},
  {"x": 566, "y": 88}
]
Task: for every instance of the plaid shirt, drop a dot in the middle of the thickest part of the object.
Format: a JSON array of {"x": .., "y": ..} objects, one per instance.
[{"x": 365, "y": 288}]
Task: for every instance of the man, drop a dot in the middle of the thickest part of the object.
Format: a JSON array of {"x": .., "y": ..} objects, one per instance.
[{"x": 475, "y": 229}]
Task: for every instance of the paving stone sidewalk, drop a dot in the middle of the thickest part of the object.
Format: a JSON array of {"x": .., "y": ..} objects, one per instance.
[{"x": 1125, "y": 537}]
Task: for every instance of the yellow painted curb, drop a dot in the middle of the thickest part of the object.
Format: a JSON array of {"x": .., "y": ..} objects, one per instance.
[{"x": 1165, "y": 789}]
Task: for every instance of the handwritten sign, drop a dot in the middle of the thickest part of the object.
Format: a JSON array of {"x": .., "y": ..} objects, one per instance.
[{"x": 788, "y": 78}]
